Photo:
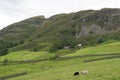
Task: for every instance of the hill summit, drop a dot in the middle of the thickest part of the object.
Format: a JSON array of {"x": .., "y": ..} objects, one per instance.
[{"x": 87, "y": 27}]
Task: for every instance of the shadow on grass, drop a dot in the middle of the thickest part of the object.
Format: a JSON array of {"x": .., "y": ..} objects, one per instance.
[
  {"x": 103, "y": 58},
  {"x": 12, "y": 76}
]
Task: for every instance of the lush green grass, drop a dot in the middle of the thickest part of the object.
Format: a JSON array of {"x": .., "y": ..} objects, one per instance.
[
  {"x": 27, "y": 55},
  {"x": 100, "y": 49},
  {"x": 64, "y": 69}
]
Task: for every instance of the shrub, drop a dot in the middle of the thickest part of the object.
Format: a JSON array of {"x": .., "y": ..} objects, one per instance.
[
  {"x": 35, "y": 50},
  {"x": 21, "y": 42},
  {"x": 3, "y": 51},
  {"x": 5, "y": 62},
  {"x": 100, "y": 40}
]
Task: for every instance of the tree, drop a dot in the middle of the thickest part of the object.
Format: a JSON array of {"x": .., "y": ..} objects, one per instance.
[
  {"x": 3, "y": 51},
  {"x": 35, "y": 50},
  {"x": 66, "y": 38},
  {"x": 3, "y": 48},
  {"x": 21, "y": 42},
  {"x": 56, "y": 46},
  {"x": 100, "y": 40},
  {"x": 5, "y": 62}
]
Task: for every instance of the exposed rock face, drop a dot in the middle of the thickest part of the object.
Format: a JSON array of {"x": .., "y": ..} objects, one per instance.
[
  {"x": 97, "y": 22},
  {"x": 74, "y": 25},
  {"x": 93, "y": 29}
]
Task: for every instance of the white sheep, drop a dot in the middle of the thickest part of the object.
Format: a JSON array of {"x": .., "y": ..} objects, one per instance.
[{"x": 85, "y": 72}]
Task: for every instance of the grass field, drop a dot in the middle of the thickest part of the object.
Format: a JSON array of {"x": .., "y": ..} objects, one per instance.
[
  {"x": 101, "y": 49},
  {"x": 27, "y": 55},
  {"x": 63, "y": 69}
]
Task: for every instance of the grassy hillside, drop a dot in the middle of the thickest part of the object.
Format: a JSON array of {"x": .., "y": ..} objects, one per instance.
[
  {"x": 101, "y": 70},
  {"x": 26, "y": 55},
  {"x": 109, "y": 47},
  {"x": 88, "y": 27},
  {"x": 21, "y": 30},
  {"x": 34, "y": 48},
  {"x": 63, "y": 69},
  {"x": 105, "y": 48}
]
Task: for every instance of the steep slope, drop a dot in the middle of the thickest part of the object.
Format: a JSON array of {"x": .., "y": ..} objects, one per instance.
[
  {"x": 21, "y": 30},
  {"x": 88, "y": 27},
  {"x": 84, "y": 22}
]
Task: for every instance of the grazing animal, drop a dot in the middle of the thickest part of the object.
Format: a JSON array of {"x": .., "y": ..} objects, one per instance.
[
  {"x": 84, "y": 72},
  {"x": 76, "y": 73}
]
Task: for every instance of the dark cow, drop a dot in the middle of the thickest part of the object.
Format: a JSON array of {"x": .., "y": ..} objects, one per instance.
[{"x": 76, "y": 73}]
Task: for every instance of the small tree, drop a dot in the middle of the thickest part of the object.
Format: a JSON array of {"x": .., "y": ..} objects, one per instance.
[
  {"x": 56, "y": 45},
  {"x": 100, "y": 40},
  {"x": 5, "y": 62},
  {"x": 3, "y": 51},
  {"x": 35, "y": 50},
  {"x": 21, "y": 42}
]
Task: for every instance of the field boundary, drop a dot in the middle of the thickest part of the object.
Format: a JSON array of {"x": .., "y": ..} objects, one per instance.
[
  {"x": 13, "y": 75},
  {"x": 90, "y": 55},
  {"x": 103, "y": 58},
  {"x": 2, "y": 63}
]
